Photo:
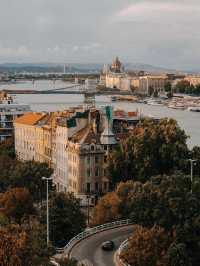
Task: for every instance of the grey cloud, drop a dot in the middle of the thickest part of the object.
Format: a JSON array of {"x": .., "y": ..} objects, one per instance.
[{"x": 150, "y": 31}]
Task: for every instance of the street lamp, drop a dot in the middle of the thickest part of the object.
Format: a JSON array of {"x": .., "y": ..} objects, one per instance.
[
  {"x": 192, "y": 162},
  {"x": 47, "y": 182}
]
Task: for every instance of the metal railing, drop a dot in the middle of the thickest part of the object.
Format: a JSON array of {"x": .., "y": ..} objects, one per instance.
[
  {"x": 92, "y": 231},
  {"x": 122, "y": 247}
]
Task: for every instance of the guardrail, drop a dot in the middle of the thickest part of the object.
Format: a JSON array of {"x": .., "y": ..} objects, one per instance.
[
  {"x": 123, "y": 246},
  {"x": 92, "y": 231}
]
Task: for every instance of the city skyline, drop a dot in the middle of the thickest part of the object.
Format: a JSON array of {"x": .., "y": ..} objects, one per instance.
[{"x": 153, "y": 32}]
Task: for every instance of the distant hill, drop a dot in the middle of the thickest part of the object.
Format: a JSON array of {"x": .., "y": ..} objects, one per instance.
[
  {"x": 76, "y": 68},
  {"x": 48, "y": 68},
  {"x": 148, "y": 68}
]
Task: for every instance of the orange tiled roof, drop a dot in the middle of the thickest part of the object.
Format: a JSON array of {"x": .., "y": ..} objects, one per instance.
[{"x": 30, "y": 118}]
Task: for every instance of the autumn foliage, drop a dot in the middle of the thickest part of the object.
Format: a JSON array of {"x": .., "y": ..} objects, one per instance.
[
  {"x": 16, "y": 203},
  {"x": 107, "y": 209},
  {"x": 12, "y": 243},
  {"x": 147, "y": 247}
]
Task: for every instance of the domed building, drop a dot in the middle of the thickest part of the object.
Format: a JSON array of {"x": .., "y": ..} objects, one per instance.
[{"x": 116, "y": 66}]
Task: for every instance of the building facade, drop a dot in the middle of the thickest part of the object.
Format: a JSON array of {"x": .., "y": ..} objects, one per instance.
[
  {"x": 193, "y": 80},
  {"x": 115, "y": 77},
  {"x": 76, "y": 143},
  {"x": 9, "y": 111}
]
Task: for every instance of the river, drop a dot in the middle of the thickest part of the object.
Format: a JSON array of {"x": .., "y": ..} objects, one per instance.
[{"x": 189, "y": 121}]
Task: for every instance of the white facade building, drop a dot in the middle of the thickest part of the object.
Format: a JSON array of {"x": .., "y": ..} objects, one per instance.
[{"x": 8, "y": 112}]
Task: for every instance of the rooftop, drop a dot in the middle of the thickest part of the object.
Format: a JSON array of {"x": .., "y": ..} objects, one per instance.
[{"x": 30, "y": 118}]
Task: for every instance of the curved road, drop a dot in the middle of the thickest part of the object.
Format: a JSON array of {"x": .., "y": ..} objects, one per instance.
[{"x": 90, "y": 252}]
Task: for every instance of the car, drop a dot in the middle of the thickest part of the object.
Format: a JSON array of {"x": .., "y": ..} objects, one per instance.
[{"x": 108, "y": 245}]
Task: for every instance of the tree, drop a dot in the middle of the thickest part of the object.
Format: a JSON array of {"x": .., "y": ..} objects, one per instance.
[
  {"x": 29, "y": 174},
  {"x": 195, "y": 154},
  {"x": 7, "y": 164},
  {"x": 164, "y": 201},
  {"x": 11, "y": 245},
  {"x": 16, "y": 203},
  {"x": 147, "y": 247},
  {"x": 153, "y": 148},
  {"x": 177, "y": 255},
  {"x": 7, "y": 148},
  {"x": 107, "y": 209},
  {"x": 182, "y": 86},
  {"x": 66, "y": 218},
  {"x": 168, "y": 87},
  {"x": 23, "y": 245},
  {"x": 36, "y": 251}
]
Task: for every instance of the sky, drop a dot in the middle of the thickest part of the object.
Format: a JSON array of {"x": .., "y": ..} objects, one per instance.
[{"x": 159, "y": 32}]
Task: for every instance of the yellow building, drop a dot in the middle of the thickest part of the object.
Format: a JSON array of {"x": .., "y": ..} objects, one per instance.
[
  {"x": 145, "y": 85},
  {"x": 193, "y": 80},
  {"x": 29, "y": 137}
]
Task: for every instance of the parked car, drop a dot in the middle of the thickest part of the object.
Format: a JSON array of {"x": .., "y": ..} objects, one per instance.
[{"x": 108, "y": 245}]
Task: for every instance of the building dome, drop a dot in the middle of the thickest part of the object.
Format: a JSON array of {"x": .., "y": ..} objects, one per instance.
[{"x": 116, "y": 65}]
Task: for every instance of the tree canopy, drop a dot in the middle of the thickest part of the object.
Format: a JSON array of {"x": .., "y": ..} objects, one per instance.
[
  {"x": 16, "y": 203},
  {"x": 167, "y": 202},
  {"x": 66, "y": 218},
  {"x": 147, "y": 247},
  {"x": 23, "y": 246},
  {"x": 184, "y": 86},
  {"x": 152, "y": 148}
]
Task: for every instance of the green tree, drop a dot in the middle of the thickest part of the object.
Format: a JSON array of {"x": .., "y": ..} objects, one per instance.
[
  {"x": 7, "y": 148},
  {"x": 153, "y": 148},
  {"x": 66, "y": 218},
  {"x": 168, "y": 87},
  {"x": 7, "y": 164},
  {"x": 182, "y": 86},
  {"x": 195, "y": 154},
  {"x": 29, "y": 174},
  {"x": 177, "y": 255}
]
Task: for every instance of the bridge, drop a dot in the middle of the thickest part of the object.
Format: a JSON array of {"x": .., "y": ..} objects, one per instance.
[{"x": 71, "y": 89}]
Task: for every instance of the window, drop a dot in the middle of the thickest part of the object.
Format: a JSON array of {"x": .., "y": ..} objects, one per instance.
[
  {"x": 105, "y": 159},
  {"x": 92, "y": 147},
  {"x": 88, "y": 159},
  {"x": 96, "y": 186},
  {"x": 88, "y": 187},
  {"x": 97, "y": 172},
  {"x": 88, "y": 172},
  {"x": 96, "y": 159},
  {"x": 105, "y": 186},
  {"x": 105, "y": 147}
]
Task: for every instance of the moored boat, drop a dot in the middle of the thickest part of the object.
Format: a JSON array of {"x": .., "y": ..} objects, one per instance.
[{"x": 194, "y": 109}]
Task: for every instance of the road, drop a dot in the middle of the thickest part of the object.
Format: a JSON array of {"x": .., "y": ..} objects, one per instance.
[{"x": 89, "y": 250}]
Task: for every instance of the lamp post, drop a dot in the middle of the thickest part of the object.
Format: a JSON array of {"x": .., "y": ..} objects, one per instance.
[
  {"x": 47, "y": 183},
  {"x": 192, "y": 162}
]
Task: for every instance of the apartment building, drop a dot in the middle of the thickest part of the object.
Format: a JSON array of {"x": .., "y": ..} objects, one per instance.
[
  {"x": 193, "y": 79},
  {"x": 76, "y": 143},
  {"x": 9, "y": 110}
]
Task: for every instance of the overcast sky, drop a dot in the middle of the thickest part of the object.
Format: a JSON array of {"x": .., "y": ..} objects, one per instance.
[{"x": 158, "y": 32}]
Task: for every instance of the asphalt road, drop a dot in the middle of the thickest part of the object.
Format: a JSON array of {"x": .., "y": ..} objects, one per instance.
[{"x": 90, "y": 252}]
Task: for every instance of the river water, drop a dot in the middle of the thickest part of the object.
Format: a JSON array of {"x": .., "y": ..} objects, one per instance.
[{"x": 189, "y": 121}]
